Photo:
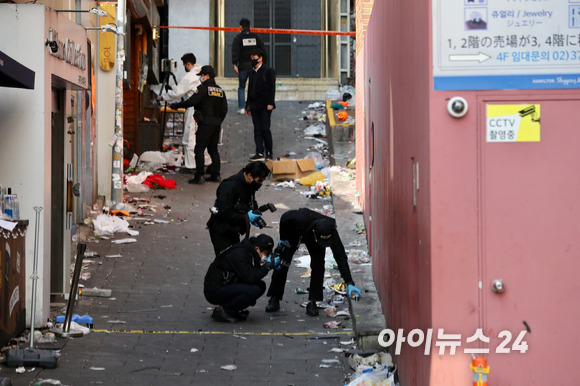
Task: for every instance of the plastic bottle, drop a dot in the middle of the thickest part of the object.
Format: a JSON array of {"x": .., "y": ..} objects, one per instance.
[
  {"x": 15, "y": 208},
  {"x": 8, "y": 205}
]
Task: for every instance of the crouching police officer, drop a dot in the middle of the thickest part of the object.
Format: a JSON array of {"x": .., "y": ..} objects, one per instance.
[
  {"x": 235, "y": 196},
  {"x": 234, "y": 282},
  {"x": 317, "y": 232},
  {"x": 211, "y": 107}
]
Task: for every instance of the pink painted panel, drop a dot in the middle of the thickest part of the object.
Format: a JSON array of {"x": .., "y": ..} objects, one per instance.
[{"x": 531, "y": 241}]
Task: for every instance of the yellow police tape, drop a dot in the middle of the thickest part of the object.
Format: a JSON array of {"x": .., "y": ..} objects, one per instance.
[{"x": 320, "y": 336}]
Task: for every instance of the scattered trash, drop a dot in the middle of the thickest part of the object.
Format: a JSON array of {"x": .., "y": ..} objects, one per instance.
[
  {"x": 348, "y": 342},
  {"x": 132, "y": 232},
  {"x": 124, "y": 241},
  {"x": 97, "y": 368},
  {"x": 332, "y": 324},
  {"x": 301, "y": 291},
  {"x": 229, "y": 367},
  {"x": 41, "y": 382},
  {"x": 378, "y": 377},
  {"x": 315, "y": 130},
  {"x": 97, "y": 292},
  {"x": 193, "y": 350},
  {"x": 287, "y": 184},
  {"x": 107, "y": 225}
]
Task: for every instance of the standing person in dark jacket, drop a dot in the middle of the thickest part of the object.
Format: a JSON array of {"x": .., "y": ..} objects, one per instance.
[
  {"x": 243, "y": 44},
  {"x": 317, "y": 232},
  {"x": 261, "y": 97},
  {"x": 235, "y": 196},
  {"x": 211, "y": 107},
  {"x": 234, "y": 282}
]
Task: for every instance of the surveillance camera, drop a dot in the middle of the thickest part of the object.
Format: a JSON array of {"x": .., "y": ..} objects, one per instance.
[
  {"x": 457, "y": 107},
  {"x": 52, "y": 45}
]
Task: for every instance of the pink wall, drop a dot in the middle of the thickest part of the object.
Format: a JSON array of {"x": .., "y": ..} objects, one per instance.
[
  {"x": 397, "y": 78},
  {"x": 433, "y": 261}
]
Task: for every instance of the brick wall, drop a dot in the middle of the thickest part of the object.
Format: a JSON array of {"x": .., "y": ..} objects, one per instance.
[{"x": 364, "y": 9}]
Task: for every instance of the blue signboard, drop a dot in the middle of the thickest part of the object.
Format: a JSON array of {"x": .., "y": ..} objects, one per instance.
[{"x": 506, "y": 44}]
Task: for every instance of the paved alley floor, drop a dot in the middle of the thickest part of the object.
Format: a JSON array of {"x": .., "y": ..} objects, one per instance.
[{"x": 156, "y": 328}]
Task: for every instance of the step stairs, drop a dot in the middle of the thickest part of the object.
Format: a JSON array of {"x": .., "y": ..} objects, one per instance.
[{"x": 301, "y": 89}]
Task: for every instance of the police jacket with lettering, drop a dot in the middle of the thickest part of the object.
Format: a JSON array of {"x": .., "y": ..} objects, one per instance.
[
  {"x": 209, "y": 100},
  {"x": 242, "y": 46},
  {"x": 234, "y": 198},
  {"x": 237, "y": 264},
  {"x": 296, "y": 227}
]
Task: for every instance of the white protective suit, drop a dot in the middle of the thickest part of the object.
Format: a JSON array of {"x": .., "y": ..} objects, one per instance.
[{"x": 185, "y": 89}]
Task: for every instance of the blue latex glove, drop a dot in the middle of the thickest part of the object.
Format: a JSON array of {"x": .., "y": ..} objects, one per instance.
[
  {"x": 351, "y": 288},
  {"x": 253, "y": 217},
  {"x": 273, "y": 264}
]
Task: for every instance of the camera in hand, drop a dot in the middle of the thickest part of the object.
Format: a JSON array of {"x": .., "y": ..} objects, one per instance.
[{"x": 261, "y": 223}]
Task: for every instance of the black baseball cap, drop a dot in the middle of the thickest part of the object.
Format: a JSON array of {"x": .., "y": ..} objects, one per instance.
[
  {"x": 323, "y": 230},
  {"x": 207, "y": 70},
  {"x": 264, "y": 242}
]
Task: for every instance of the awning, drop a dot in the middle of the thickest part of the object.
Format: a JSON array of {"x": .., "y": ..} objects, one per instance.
[{"x": 14, "y": 74}]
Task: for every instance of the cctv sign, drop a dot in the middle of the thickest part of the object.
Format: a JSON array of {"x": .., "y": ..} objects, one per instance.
[{"x": 513, "y": 123}]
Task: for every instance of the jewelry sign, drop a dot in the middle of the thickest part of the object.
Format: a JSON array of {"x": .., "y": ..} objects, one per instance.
[{"x": 506, "y": 44}]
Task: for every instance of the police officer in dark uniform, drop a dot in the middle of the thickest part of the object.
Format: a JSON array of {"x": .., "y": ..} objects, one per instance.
[
  {"x": 231, "y": 215},
  {"x": 317, "y": 232},
  {"x": 211, "y": 107},
  {"x": 243, "y": 44},
  {"x": 234, "y": 282}
]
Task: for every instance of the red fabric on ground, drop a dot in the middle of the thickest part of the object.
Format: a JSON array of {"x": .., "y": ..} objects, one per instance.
[{"x": 156, "y": 181}]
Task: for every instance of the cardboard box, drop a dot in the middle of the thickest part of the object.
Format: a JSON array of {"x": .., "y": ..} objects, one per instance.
[{"x": 289, "y": 169}]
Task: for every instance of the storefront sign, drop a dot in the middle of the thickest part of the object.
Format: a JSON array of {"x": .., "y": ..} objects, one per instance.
[{"x": 71, "y": 52}]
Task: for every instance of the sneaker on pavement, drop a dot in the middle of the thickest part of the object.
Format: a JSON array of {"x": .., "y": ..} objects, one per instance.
[
  {"x": 312, "y": 308},
  {"x": 197, "y": 180},
  {"x": 273, "y": 304},
  {"x": 268, "y": 156},
  {"x": 257, "y": 157},
  {"x": 214, "y": 178},
  {"x": 242, "y": 111}
]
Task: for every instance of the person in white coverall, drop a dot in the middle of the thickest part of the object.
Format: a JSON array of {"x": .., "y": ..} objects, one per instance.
[{"x": 185, "y": 89}]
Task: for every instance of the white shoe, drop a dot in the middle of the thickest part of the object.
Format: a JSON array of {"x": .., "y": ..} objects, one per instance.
[{"x": 242, "y": 111}]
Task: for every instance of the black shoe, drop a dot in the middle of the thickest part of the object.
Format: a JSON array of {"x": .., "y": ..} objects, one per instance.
[
  {"x": 215, "y": 178},
  {"x": 220, "y": 315},
  {"x": 312, "y": 308},
  {"x": 268, "y": 156},
  {"x": 243, "y": 314},
  {"x": 257, "y": 157},
  {"x": 273, "y": 304},
  {"x": 197, "y": 180}
]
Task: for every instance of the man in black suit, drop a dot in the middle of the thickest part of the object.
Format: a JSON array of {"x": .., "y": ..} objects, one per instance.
[{"x": 260, "y": 103}]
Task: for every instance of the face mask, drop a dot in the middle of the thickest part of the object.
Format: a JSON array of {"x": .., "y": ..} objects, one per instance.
[
  {"x": 255, "y": 186},
  {"x": 255, "y": 62}
]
